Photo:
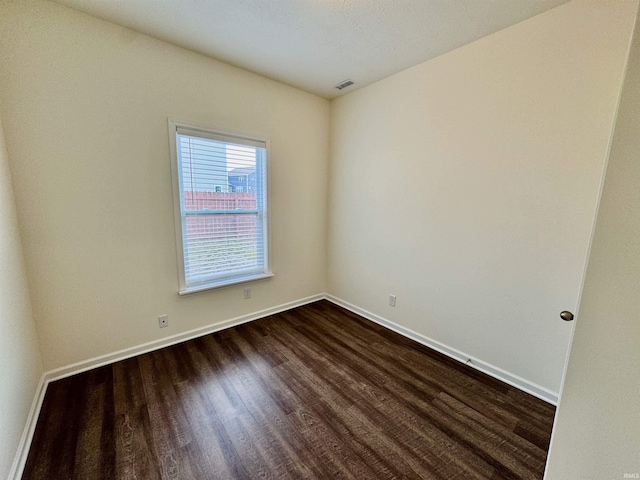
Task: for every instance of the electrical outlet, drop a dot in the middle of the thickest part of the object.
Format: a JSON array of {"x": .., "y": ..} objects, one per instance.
[
  {"x": 247, "y": 293},
  {"x": 392, "y": 300},
  {"x": 163, "y": 321}
]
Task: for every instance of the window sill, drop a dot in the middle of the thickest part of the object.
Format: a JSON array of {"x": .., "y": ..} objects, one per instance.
[{"x": 223, "y": 283}]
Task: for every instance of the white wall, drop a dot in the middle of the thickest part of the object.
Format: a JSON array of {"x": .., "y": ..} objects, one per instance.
[
  {"x": 597, "y": 430},
  {"x": 86, "y": 106},
  {"x": 467, "y": 186},
  {"x": 20, "y": 362}
]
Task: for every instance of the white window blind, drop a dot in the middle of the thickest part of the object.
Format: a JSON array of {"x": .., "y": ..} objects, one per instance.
[{"x": 221, "y": 187}]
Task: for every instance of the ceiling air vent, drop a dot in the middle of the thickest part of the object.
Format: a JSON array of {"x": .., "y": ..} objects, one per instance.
[{"x": 344, "y": 84}]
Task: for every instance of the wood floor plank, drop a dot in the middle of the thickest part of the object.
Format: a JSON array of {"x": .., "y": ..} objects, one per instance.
[
  {"x": 316, "y": 392},
  {"x": 89, "y": 449},
  {"x": 486, "y": 440},
  {"x": 60, "y": 447},
  {"x": 271, "y": 414},
  {"x": 134, "y": 457}
]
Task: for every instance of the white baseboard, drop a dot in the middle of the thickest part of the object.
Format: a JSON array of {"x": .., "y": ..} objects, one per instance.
[
  {"x": 491, "y": 370},
  {"x": 109, "y": 358},
  {"x": 27, "y": 435},
  {"x": 79, "y": 367}
]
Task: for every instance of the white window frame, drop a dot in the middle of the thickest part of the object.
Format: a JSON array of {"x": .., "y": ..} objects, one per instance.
[{"x": 179, "y": 216}]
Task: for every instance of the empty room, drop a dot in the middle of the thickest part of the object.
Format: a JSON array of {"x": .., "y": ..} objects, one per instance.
[{"x": 319, "y": 239}]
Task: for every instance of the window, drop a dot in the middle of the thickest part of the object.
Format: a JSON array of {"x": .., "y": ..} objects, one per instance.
[{"x": 221, "y": 233}]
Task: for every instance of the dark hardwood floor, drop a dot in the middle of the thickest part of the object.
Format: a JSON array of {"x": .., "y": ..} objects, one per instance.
[{"x": 316, "y": 392}]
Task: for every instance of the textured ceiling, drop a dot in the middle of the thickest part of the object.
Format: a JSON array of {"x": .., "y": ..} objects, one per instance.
[{"x": 315, "y": 44}]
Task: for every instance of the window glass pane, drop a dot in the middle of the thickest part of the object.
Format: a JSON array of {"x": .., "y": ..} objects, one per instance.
[
  {"x": 218, "y": 244},
  {"x": 222, "y": 188}
]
